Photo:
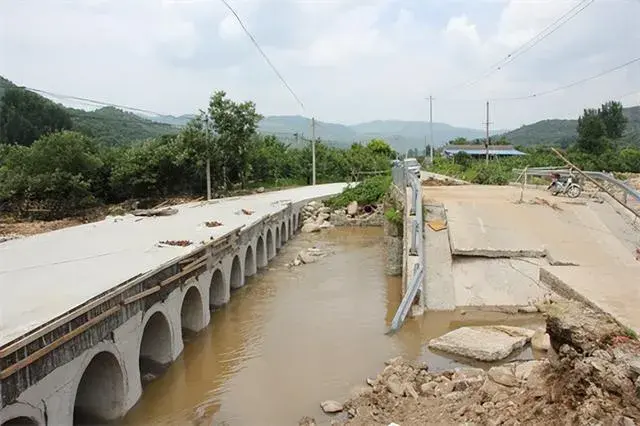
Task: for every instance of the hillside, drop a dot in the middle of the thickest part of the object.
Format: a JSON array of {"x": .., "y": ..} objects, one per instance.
[
  {"x": 108, "y": 125},
  {"x": 563, "y": 132},
  {"x": 113, "y": 126}
]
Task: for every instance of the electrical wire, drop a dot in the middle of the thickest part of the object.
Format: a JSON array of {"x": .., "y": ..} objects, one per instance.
[
  {"x": 575, "y": 83},
  {"x": 264, "y": 55},
  {"x": 546, "y": 32}
]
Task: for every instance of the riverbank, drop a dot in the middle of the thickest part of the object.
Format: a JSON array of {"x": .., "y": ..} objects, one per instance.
[{"x": 589, "y": 377}]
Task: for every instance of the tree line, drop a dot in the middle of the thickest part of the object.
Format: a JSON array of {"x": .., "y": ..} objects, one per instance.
[
  {"x": 50, "y": 168},
  {"x": 601, "y": 145}
]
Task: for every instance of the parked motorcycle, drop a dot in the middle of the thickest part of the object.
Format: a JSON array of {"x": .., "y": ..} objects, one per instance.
[{"x": 566, "y": 186}]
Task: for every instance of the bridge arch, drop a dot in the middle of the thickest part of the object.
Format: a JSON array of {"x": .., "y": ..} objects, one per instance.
[
  {"x": 101, "y": 391},
  {"x": 21, "y": 421},
  {"x": 271, "y": 248},
  {"x": 156, "y": 343},
  {"x": 278, "y": 240},
  {"x": 192, "y": 310},
  {"x": 261, "y": 253},
  {"x": 22, "y": 414},
  {"x": 218, "y": 290},
  {"x": 290, "y": 228},
  {"x": 249, "y": 262},
  {"x": 283, "y": 232},
  {"x": 236, "y": 277},
  {"x": 299, "y": 220}
]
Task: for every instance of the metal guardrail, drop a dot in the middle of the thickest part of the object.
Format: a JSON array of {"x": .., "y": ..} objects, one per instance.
[
  {"x": 401, "y": 179},
  {"x": 563, "y": 171}
]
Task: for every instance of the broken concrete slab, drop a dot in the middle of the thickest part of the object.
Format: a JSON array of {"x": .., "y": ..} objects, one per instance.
[
  {"x": 488, "y": 343},
  {"x": 439, "y": 285},
  {"x": 612, "y": 290},
  {"x": 496, "y": 282}
]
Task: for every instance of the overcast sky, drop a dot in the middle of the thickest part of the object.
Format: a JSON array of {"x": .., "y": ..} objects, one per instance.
[{"x": 348, "y": 60}]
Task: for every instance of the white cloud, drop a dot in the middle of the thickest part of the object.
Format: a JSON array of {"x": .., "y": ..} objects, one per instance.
[{"x": 349, "y": 60}]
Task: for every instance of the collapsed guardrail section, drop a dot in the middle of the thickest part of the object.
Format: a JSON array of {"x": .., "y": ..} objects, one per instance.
[{"x": 403, "y": 179}]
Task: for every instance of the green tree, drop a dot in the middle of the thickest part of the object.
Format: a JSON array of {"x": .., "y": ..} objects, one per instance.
[
  {"x": 459, "y": 141},
  {"x": 613, "y": 119},
  {"x": 26, "y": 116},
  {"x": 592, "y": 132},
  {"x": 380, "y": 147},
  {"x": 56, "y": 175},
  {"x": 235, "y": 124}
]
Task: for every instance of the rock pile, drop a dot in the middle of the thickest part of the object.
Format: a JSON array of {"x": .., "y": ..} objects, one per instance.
[
  {"x": 317, "y": 216},
  {"x": 310, "y": 255},
  {"x": 592, "y": 376}
]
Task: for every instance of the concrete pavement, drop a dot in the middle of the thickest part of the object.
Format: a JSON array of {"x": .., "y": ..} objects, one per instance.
[
  {"x": 46, "y": 275},
  {"x": 501, "y": 248}
]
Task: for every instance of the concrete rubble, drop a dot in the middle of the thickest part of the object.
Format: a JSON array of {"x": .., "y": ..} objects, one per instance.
[
  {"x": 590, "y": 377},
  {"x": 316, "y": 216},
  {"x": 310, "y": 255},
  {"x": 488, "y": 343}
]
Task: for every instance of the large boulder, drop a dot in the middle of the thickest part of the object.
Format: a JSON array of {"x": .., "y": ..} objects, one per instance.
[
  {"x": 310, "y": 227},
  {"x": 352, "y": 208},
  {"x": 489, "y": 343},
  {"x": 331, "y": 406}
]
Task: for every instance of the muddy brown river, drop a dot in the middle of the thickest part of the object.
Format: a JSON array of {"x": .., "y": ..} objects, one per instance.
[{"x": 293, "y": 337}]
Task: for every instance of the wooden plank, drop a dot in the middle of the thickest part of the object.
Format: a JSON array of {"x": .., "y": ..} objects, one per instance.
[
  {"x": 141, "y": 295},
  {"x": 56, "y": 343},
  {"x": 186, "y": 271}
]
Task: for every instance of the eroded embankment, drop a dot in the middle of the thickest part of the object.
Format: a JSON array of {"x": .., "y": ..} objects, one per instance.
[{"x": 590, "y": 377}]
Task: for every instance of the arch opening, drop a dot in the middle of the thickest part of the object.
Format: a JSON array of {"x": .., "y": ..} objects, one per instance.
[
  {"x": 271, "y": 252},
  {"x": 283, "y": 233},
  {"x": 100, "y": 394},
  {"x": 299, "y": 221},
  {"x": 290, "y": 229},
  {"x": 155, "y": 348},
  {"x": 249, "y": 262},
  {"x": 191, "y": 312},
  {"x": 261, "y": 255},
  {"x": 278, "y": 242},
  {"x": 237, "y": 279},
  {"x": 21, "y": 421},
  {"x": 217, "y": 290}
]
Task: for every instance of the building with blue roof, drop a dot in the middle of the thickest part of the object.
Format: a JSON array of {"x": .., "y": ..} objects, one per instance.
[{"x": 480, "y": 151}]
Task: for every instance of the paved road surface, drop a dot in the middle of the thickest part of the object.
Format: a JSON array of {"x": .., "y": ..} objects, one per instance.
[
  {"x": 486, "y": 221},
  {"x": 46, "y": 275}
]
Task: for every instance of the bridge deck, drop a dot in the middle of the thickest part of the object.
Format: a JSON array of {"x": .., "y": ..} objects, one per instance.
[{"x": 46, "y": 275}]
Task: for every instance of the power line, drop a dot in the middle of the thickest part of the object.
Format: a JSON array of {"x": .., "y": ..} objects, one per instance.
[
  {"x": 546, "y": 32},
  {"x": 575, "y": 83},
  {"x": 264, "y": 55}
]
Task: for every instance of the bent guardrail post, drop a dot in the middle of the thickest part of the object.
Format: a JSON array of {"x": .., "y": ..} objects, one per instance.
[{"x": 417, "y": 248}]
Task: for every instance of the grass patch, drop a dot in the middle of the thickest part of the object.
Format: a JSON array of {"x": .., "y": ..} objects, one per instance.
[{"x": 369, "y": 191}]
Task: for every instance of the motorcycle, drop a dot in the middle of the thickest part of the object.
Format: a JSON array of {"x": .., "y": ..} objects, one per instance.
[{"x": 567, "y": 186}]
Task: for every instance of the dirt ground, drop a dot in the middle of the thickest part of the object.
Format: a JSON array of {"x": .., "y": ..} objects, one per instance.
[
  {"x": 12, "y": 227},
  {"x": 590, "y": 377}
]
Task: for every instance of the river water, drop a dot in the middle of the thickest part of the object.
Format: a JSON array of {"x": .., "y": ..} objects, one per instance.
[{"x": 293, "y": 337}]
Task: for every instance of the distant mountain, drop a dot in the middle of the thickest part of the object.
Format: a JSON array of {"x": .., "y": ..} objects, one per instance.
[
  {"x": 402, "y": 135},
  {"x": 563, "y": 132},
  {"x": 179, "y": 121},
  {"x": 113, "y": 126}
]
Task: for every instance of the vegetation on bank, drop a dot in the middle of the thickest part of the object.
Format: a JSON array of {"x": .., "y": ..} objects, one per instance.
[
  {"x": 51, "y": 169},
  {"x": 601, "y": 145},
  {"x": 370, "y": 191}
]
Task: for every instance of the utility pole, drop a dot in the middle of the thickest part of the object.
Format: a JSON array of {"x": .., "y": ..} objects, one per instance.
[
  {"x": 208, "y": 151},
  {"x": 313, "y": 150},
  {"x": 486, "y": 143},
  {"x": 430, "y": 128}
]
